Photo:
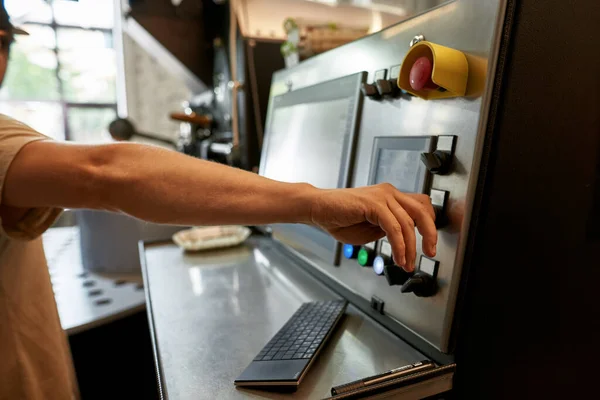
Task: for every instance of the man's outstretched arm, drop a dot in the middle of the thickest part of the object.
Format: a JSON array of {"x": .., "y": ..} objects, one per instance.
[{"x": 163, "y": 186}]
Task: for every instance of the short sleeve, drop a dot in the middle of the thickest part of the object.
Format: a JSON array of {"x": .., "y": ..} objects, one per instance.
[{"x": 13, "y": 137}]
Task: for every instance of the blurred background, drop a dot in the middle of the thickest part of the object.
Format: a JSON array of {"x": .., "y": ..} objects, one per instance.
[{"x": 88, "y": 62}]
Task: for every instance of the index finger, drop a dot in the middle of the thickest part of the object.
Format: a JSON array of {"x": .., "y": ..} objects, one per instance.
[
  {"x": 424, "y": 221},
  {"x": 391, "y": 226}
]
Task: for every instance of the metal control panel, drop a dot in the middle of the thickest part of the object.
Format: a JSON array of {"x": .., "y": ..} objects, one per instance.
[{"x": 419, "y": 143}]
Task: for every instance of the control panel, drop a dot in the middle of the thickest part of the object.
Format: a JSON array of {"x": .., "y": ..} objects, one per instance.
[{"x": 416, "y": 129}]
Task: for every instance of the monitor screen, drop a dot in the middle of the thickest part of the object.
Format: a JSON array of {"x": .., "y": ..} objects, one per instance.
[
  {"x": 310, "y": 137},
  {"x": 310, "y": 133}
]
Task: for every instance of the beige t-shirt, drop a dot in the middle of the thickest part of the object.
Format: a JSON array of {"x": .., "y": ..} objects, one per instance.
[{"x": 35, "y": 360}]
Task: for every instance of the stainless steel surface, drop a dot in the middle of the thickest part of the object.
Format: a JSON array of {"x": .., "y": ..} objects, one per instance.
[
  {"x": 213, "y": 312},
  {"x": 81, "y": 297},
  {"x": 473, "y": 27},
  {"x": 415, "y": 40}
]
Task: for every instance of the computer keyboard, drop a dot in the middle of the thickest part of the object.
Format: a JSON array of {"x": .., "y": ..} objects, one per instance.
[{"x": 286, "y": 358}]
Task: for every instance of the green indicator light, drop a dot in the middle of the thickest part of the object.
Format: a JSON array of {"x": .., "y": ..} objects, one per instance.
[{"x": 363, "y": 257}]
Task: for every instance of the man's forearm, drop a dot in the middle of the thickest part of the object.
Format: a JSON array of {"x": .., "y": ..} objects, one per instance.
[{"x": 167, "y": 187}]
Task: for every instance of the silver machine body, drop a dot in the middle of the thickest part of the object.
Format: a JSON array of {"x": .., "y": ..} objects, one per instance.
[
  {"x": 515, "y": 314},
  {"x": 471, "y": 26}
]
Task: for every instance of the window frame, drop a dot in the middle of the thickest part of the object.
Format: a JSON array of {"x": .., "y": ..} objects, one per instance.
[{"x": 62, "y": 102}]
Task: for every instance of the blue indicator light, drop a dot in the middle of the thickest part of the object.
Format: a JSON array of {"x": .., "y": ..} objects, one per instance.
[{"x": 348, "y": 251}]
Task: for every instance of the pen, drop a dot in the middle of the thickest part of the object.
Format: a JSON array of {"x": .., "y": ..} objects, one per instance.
[{"x": 391, "y": 374}]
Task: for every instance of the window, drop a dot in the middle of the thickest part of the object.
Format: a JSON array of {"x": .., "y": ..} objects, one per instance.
[{"x": 61, "y": 80}]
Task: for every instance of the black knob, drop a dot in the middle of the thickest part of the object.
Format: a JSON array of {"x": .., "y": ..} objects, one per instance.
[
  {"x": 421, "y": 284},
  {"x": 369, "y": 90},
  {"x": 395, "y": 275},
  {"x": 387, "y": 87},
  {"x": 437, "y": 162}
]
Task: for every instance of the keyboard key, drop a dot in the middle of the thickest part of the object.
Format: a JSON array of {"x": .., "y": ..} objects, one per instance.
[{"x": 303, "y": 333}]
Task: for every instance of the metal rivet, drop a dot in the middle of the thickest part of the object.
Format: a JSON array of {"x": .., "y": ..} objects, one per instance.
[{"x": 416, "y": 39}]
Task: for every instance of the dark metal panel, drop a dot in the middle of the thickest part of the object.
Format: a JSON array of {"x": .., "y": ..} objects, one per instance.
[{"x": 530, "y": 324}]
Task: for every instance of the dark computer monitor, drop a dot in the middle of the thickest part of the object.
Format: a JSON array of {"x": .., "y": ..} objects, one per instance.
[{"x": 310, "y": 137}]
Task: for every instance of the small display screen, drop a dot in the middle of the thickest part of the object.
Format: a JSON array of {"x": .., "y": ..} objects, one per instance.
[
  {"x": 397, "y": 161},
  {"x": 400, "y": 168}
]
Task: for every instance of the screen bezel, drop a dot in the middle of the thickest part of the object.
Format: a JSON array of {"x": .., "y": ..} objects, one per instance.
[{"x": 325, "y": 246}]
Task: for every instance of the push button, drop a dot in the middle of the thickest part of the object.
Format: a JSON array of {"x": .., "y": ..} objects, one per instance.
[
  {"x": 350, "y": 251},
  {"x": 366, "y": 255},
  {"x": 379, "y": 264},
  {"x": 420, "y": 74},
  {"x": 384, "y": 258}
]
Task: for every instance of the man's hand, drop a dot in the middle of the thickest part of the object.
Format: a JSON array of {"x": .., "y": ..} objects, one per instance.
[{"x": 362, "y": 215}]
